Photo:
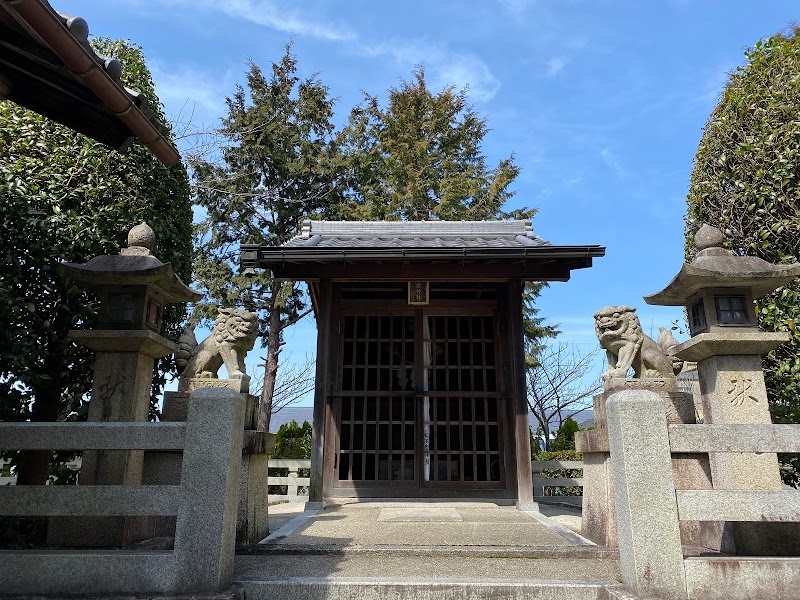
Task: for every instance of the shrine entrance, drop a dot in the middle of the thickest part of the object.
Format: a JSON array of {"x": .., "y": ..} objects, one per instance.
[
  {"x": 418, "y": 403},
  {"x": 420, "y": 385}
]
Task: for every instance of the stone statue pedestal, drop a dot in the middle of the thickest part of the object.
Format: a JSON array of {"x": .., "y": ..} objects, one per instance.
[
  {"x": 123, "y": 376},
  {"x": 190, "y": 384},
  {"x": 164, "y": 467},
  {"x": 690, "y": 471}
]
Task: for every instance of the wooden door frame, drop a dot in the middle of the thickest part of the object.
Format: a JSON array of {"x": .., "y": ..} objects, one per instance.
[{"x": 341, "y": 308}]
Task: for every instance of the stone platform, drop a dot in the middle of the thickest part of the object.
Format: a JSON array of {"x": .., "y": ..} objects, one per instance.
[{"x": 423, "y": 550}]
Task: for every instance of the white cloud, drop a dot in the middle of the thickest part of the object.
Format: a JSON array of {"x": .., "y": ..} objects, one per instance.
[
  {"x": 555, "y": 66},
  {"x": 273, "y": 15},
  {"x": 189, "y": 93},
  {"x": 267, "y": 13},
  {"x": 613, "y": 162},
  {"x": 442, "y": 66}
]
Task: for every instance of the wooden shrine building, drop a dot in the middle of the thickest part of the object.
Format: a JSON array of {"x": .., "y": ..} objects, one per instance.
[{"x": 420, "y": 386}]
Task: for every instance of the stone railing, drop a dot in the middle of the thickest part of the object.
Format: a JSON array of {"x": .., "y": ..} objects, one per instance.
[
  {"x": 650, "y": 509},
  {"x": 204, "y": 503},
  {"x": 293, "y": 481},
  {"x": 540, "y": 482}
]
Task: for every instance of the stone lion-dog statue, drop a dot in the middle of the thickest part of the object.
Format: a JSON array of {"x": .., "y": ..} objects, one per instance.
[
  {"x": 627, "y": 347},
  {"x": 233, "y": 336}
]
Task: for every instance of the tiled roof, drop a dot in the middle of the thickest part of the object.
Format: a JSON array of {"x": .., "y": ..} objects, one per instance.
[
  {"x": 416, "y": 234},
  {"x": 50, "y": 68}
]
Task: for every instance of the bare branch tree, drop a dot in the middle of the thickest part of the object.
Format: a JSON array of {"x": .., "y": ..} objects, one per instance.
[
  {"x": 293, "y": 382},
  {"x": 559, "y": 386}
]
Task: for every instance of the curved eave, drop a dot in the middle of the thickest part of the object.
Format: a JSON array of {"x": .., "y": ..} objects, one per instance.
[
  {"x": 84, "y": 98},
  {"x": 691, "y": 279},
  {"x": 529, "y": 263},
  {"x": 160, "y": 276}
]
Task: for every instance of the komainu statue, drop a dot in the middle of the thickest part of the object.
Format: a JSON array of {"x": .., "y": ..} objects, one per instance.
[
  {"x": 233, "y": 336},
  {"x": 627, "y": 347}
]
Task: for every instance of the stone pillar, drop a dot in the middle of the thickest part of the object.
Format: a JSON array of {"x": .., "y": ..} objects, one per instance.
[
  {"x": 733, "y": 392},
  {"x": 598, "y": 517},
  {"x": 164, "y": 467},
  {"x": 123, "y": 374},
  {"x": 651, "y": 557},
  {"x": 690, "y": 471},
  {"x": 204, "y": 541}
]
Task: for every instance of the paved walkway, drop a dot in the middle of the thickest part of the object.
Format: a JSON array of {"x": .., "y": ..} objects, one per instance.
[
  {"x": 280, "y": 514},
  {"x": 418, "y": 524},
  {"x": 427, "y": 550}
]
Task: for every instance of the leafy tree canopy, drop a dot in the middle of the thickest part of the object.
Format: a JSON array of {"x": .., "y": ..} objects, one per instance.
[
  {"x": 746, "y": 181},
  {"x": 293, "y": 441},
  {"x": 419, "y": 158},
  {"x": 66, "y": 197},
  {"x": 565, "y": 438}
]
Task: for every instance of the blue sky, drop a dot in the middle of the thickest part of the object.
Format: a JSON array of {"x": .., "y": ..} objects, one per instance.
[{"x": 602, "y": 102}]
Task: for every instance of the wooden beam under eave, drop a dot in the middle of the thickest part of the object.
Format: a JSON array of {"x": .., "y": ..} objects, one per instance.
[{"x": 426, "y": 272}]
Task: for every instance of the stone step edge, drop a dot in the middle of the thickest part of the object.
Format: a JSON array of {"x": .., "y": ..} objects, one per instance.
[
  {"x": 244, "y": 582},
  {"x": 579, "y": 552},
  {"x": 432, "y": 589}
]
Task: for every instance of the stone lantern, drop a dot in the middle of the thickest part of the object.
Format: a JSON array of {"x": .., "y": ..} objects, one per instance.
[
  {"x": 718, "y": 289},
  {"x": 133, "y": 288}
]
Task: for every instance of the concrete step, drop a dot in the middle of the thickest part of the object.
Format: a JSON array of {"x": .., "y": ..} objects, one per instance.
[
  {"x": 373, "y": 588},
  {"x": 425, "y": 576},
  {"x": 576, "y": 552}
]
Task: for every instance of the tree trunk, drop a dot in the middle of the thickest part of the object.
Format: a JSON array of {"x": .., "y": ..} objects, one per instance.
[
  {"x": 271, "y": 363},
  {"x": 34, "y": 468}
]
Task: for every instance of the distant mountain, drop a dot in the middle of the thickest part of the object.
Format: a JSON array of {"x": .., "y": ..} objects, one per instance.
[{"x": 289, "y": 414}]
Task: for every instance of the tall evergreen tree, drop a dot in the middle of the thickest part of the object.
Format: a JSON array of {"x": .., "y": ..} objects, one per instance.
[
  {"x": 419, "y": 158},
  {"x": 276, "y": 168},
  {"x": 64, "y": 197}
]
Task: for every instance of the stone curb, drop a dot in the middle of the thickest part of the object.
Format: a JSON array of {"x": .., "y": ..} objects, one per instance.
[{"x": 588, "y": 552}]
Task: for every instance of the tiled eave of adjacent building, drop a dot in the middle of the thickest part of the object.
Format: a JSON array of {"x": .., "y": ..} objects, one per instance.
[{"x": 48, "y": 66}]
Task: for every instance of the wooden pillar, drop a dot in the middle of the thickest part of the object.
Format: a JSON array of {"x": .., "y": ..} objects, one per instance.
[
  {"x": 321, "y": 390},
  {"x": 519, "y": 403}
]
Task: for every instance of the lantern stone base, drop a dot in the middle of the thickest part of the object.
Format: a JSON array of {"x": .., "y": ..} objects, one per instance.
[{"x": 123, "y": 375}]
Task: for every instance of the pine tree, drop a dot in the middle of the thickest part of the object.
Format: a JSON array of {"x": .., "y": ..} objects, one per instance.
[
  {"x": 277, "y": 167},
  {"x": 419, "y": 158}
]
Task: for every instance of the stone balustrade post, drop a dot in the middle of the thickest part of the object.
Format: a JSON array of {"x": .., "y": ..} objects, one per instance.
[
  {"x": 205, "y": 534},
  {"x": 651, "y": 557},
  {"x": 291, "y": 489}
]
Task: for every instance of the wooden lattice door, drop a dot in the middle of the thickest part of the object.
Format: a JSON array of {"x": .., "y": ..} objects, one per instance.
[{"x": 418, "y": 404}]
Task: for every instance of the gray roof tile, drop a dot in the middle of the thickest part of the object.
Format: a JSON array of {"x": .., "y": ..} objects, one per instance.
[{"x": 416, "y": 234}]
